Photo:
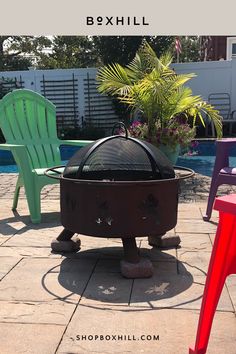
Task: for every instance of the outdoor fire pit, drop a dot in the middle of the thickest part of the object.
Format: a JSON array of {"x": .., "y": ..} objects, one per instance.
[{"x": 118, "y": 187}]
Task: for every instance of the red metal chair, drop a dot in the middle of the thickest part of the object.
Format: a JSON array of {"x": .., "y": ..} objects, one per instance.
[
  {"x": 222, "y": 264},
  {"x": 222, "y": 173}
]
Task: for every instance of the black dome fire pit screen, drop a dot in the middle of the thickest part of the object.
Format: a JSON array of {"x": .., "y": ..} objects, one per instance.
[
  {"x": 118, "y": 187},
  {"x": 119, "y": 158}
]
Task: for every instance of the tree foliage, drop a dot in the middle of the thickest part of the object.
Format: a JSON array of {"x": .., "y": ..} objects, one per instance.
[
  {"x": 117, "y": 48},
  {"x": 190, "y": 49},
  {"x": 19, "y": 52},
  {"x": 122, "y": 49},
  {"x": 70, "y": 52}
]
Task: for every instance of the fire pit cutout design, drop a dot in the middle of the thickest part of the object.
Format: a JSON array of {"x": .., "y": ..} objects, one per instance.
[{"x": 118, "y": 187}]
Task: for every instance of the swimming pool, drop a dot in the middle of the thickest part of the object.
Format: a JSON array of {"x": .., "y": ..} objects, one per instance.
[
  {"x": 7, "y": 163},
  {"x": 202, "y": 163}
]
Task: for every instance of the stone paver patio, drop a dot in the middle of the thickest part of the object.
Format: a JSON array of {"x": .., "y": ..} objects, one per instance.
[{"x": 79, "y": 303}]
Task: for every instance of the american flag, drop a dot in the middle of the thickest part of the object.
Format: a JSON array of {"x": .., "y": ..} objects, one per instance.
[{"x": 178, "y": 46}]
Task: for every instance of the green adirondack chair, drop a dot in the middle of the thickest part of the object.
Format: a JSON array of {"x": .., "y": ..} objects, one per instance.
[{"x": 28, "y": 123}]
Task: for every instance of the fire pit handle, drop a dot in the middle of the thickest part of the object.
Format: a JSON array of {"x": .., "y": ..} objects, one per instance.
[
  {"x": 120, "y": 124},
  {"x": 54, "y": 170},
  {"x": 188, "y": 175}
]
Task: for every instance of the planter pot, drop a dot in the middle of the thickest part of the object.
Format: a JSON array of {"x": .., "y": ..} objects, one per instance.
[{"x": 170, "y": 152}]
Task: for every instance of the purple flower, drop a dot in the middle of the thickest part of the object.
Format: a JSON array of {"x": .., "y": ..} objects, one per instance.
[
  {"x": 194, "y": 144},
  {"x": 135, "y": 124}
]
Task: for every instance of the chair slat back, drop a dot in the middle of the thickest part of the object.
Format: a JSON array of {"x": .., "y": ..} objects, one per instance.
[
  {"x": 221, "y": 102},
  {"x": 29, "y": 119}
]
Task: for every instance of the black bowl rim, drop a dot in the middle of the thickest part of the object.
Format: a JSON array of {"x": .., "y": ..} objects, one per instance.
[{"x": 59, "y": 176}]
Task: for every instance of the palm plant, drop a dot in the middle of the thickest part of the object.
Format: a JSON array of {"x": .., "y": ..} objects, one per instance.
[{"x": 149, "y": 85}]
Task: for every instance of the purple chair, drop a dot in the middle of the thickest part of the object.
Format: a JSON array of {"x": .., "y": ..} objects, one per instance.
[{"x": 222, "y": 173}]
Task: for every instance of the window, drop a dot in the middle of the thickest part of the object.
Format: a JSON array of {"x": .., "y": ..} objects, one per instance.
[{"x": 231, "y": 48}]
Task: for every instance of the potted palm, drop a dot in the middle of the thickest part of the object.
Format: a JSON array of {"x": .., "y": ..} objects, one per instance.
[{"x": 168, "y": 109}]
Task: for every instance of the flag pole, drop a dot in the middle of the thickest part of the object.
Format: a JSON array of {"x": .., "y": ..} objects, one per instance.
[{"x": 178, "y": 48}]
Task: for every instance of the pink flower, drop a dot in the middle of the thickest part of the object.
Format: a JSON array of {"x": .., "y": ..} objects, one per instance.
[{"x": 135, "y": 124}]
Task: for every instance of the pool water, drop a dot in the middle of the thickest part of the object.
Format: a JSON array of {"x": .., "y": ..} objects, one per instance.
[
  {"x": 202, "y": 162},
  {"x": 7, "y": 163}
]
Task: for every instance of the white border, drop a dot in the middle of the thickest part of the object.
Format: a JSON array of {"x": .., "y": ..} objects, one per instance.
[{"x": 173, "y": 17}]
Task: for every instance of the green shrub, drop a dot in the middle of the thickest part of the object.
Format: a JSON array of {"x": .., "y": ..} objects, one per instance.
[{"x": 85, "y": 133}]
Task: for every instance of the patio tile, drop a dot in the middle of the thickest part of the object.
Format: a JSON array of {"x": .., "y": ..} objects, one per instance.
[
  {"x": 113, "y": 266},
  {"x": 155, "y": 254},
  {"x": 5, "y": 210},
  {"x": 21, "y": 338},
  {"x": 27, "y": 252},
  {"x": 41, "y": 279},
  {"x": 38, "y": 295},
  {"x": 194, "y": 207},
  {"x": 10, "y": 228},
  {"x": 214, "y": 215},
  {"x": 189, "y": 213},
  {"x": 165, "y": 267},
  {"x": 194, "y": 262},
  {"x": 51, "y": 216},
  {"x": 173, "y": 291},
  {"x": 50, "y": 210},
  {"x": 3, "y": 239},
  {"x": 107, "y": 288},
  {"x": 35, "y": 237},
  {"x": 111, "y": 251},
  {"x": 104, "y": 247},
  {"x": 195, "y": 242},
  {"x": 176, "y": 330},
  {"x": 108, "y": 265},
  {"x": 78, "y": 255},
  {"x": 212, "y": 238},
  {"x": 198, "y": 226},
  {"x": 231, "y": 286},
  {"x": 51, "y": 312},
  {"x": 7, "y": 264}
]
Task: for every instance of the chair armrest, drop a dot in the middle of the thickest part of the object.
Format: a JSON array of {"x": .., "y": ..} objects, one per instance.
[
  {"x": 10, "y": 147},
  {"x": 75, "y": 142}
]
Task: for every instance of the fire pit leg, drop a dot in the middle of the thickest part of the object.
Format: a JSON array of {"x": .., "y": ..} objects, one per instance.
[
  {"x": 63, "y": 243},
  {"x": 133, "y": 266},
  {"x": 164, "y": 241}
]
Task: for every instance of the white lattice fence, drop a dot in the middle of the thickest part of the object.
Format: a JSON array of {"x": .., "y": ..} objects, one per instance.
[{"x": 74, "y": 93}]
